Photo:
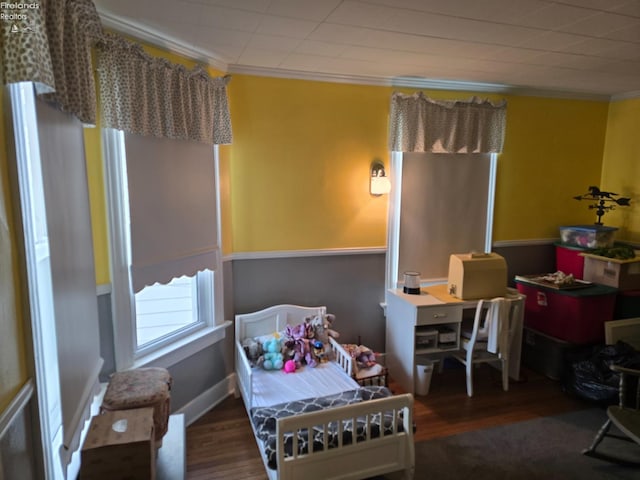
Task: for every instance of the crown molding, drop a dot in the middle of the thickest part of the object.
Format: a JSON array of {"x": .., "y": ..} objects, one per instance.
[
  {"x": 625, "y": 96},
  {"x": 417, "y": 82},
  {"x": 160, "y": 39},
  {"x": 414, "y": 82}
]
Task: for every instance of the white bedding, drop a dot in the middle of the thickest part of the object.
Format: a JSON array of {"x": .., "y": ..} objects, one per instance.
[{"x": 274, "y": 387}]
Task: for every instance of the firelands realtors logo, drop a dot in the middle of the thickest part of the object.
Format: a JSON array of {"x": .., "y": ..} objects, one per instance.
[{"x": 18, "y": 14}]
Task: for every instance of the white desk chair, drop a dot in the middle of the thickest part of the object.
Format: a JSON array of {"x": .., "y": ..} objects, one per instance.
[{"x": 489, "y": 339}]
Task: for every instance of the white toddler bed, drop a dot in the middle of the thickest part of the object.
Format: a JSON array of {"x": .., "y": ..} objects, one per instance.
[{"x": 357, "y": 432}]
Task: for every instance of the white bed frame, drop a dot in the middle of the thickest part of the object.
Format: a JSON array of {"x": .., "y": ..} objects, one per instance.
[{"x": 363, "y": 459}]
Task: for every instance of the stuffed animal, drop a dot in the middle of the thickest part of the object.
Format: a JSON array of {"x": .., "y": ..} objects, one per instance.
[
  {"x": 253, "y": 350},
  {"x": 321, "y": 327},
  {"x": 363, "y": 356},
  {"x": 272, "y": 357},
  {"x": 366, "y": 357},
  {"x": 319, "y": 352},
  {"x": 297, "y": 341},
  {"x": 289, "y": 366}
]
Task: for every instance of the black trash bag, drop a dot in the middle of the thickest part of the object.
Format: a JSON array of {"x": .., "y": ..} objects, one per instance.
[{"x": 592, "y": 379}]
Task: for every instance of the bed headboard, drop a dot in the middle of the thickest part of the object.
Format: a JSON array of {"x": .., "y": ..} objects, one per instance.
[{"x": 272, "y": 319}]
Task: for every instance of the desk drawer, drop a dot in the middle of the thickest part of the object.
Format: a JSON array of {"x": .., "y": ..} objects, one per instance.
[{"x": 432, "y": 315}]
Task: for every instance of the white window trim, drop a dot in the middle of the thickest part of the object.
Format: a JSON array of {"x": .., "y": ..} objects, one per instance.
[
  {"x": 21, "y": 112},
  {"x": 123, "y": 305}
]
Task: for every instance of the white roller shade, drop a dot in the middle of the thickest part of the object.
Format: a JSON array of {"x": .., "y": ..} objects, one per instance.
[
  {"x": 172, "y": 206},
  {"x": 56, "y": 235},
  {"x": 445, "y": 202}
]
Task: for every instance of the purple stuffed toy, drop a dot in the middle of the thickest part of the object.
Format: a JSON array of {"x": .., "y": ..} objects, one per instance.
[{"x": 297, "y": 340}]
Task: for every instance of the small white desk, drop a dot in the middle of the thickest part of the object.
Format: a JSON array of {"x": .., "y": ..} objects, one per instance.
[{"x": 414, "y": 324}]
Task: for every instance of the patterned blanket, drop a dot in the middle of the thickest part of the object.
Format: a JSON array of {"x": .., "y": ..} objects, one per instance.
[{"x": 264, "y": 420}]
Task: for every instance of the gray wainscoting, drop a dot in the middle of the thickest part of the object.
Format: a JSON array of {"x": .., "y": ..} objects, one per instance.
[
  {"x": 350, "y": 285},
  {"x": 18, "y": 450},
  {"x": 105, "y": 326},
  {"x": 528, "y": 259},
  {"x": 200, "y": 372}
]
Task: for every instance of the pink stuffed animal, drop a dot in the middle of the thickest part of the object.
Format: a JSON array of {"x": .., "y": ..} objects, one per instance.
[{"x": 289, "y": 366}]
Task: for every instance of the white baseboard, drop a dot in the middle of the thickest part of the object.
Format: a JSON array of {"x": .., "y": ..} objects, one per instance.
[{"x": 208, "y": 399}]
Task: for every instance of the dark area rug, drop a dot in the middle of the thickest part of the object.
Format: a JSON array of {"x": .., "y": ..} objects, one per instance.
[{"x": 543, "y": 448}]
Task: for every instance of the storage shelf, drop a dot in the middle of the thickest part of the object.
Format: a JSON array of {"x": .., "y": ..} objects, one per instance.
[
  {"x": 426, "y": 330},
  {"x": 420, "y": 351},
  {"x": 427, "y": 338}
]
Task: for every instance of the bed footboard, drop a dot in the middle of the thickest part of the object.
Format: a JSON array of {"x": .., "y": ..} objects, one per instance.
[{"x": 367, "y": 457}]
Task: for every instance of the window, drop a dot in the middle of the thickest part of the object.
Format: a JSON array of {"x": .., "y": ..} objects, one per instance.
[
  {"x": 177, "y": 307},
  {"x": 443, "y": 205},
  {"x": 54, "y": 208},
  {"x": 165, "y": 254}
]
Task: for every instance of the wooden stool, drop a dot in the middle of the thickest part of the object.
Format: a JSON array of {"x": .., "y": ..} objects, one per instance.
[{"x": 142, "y": 387}]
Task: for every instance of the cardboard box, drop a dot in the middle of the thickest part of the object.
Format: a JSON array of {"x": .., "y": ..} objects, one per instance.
[
  {"x": 119, "y": 445},
  {"x": 622, "y": 274},
  {"x": 473, "y": 276}
]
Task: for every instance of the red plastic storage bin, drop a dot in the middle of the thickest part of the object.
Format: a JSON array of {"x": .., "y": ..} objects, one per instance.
[
  {"x": 569, "y": 260},
  {"x": 576, "y": 316}
]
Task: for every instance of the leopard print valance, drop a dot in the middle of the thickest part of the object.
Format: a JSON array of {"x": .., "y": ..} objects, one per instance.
[
  {"x": 25, "y": 49},
  {"x": 148, "y": 95},
  {"x": 421, "y": 124},
  {"x": 50, "y": 43}
]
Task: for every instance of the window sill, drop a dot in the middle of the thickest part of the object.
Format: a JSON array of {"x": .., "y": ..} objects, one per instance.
[{"x": 176, "y": 352}]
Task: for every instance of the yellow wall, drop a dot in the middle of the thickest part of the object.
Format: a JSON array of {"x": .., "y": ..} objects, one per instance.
[
  {"x": 95, "y": 175},
  {"x": 296, "y": 176},
  {"x": 302, "y": 150},
  {"x": 621, "y": 166},
  {"x": 13, "y": 370},
  {"x": 300, "y": 163},
  {"x": 553, "y": 152}
]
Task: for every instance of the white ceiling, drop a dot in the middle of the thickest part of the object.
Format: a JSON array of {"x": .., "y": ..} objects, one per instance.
[{"x": 576, "y": 47}]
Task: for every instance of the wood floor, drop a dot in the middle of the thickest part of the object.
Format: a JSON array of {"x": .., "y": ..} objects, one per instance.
[{"x": 220, "y": 445}]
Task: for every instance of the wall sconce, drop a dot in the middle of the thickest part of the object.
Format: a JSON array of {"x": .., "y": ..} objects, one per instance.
[{"x": 380, "y": 183}]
